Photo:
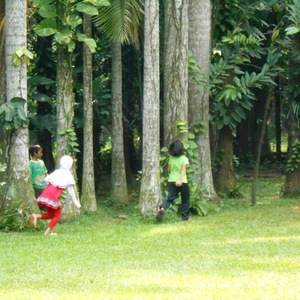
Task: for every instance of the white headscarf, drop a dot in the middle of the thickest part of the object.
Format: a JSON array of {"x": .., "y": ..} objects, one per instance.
[{"x": 62, "y": 177}]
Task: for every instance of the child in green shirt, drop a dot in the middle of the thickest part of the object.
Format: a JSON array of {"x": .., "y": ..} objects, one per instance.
[
  {"x": 177, "y": 180},
  {"x": 38, "y": 169}
]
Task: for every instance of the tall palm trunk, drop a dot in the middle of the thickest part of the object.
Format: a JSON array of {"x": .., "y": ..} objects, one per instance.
[
  {"x": 200, "y": 44},
  {"x": 150, "y": 186},
  {"x": 88, "y": 195},
  {"x": 175, "y": 68},
  {"x": 118, "y": 181},
  {"x": 20, "y": 190}
]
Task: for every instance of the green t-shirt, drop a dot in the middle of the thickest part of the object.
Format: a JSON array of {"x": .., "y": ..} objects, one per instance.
[
  {"x": 38, "y": 171},
  {"x": 176, "y": 163}
]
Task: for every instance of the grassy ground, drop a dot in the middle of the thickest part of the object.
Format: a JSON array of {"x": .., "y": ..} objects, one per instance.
[{"x": 241, "y": 252}]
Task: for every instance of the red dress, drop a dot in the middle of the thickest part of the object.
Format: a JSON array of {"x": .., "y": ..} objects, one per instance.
[{"x": 50, "y": 196}]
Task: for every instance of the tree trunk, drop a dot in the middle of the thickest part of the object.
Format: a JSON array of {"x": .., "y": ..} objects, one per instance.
[
  {"x": 259, "y": 145},
  {"x": 199, "y": 44},
  {"x": 65, "y": 109},
  {"x": 3, "y": 133},
  {"x": 175, "y": 68},
  {"x": 118, "y": 175},
  {"x": 20, "y": 191},
  {"x": 292, "y": 179},
  {"x": 224, "y": 177},
  {"x": 150, "y": 186},
  {"x": 88, "y": 196},
  {"x": 249, "y": 130}
]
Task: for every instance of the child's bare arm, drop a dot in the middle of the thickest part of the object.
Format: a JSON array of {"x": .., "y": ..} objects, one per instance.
[
  {"x": 71, "y": 191},
  {"x": 182, "y": 173}
]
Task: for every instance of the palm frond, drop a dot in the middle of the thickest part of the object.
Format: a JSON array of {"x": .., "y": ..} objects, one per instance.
[{"x": 121, "y": 20}]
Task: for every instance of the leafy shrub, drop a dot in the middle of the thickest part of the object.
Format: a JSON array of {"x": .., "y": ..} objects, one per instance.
[{"x": 13, "y": 218}]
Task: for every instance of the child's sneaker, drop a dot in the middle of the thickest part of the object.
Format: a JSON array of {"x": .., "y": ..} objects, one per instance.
[{"x": 160, "y": 214}]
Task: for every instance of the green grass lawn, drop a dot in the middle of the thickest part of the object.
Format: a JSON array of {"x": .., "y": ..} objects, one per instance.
[{"x": 241, "y": 252}]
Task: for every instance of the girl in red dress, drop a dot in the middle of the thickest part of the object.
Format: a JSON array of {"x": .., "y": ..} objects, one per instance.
[{"x": 58, "y": 181}]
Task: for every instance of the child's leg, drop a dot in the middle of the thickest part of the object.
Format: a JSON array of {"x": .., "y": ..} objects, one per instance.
[
  {"x": 33, "y": 219},
  {"x": 185, "y": 201},
  {"x": 47, "y": 215},
  {"x": 173, "y": 192},
  {"x": 56, "y": 214}
]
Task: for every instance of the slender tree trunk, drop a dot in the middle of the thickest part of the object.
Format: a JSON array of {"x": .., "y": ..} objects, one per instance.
[
  {"x": 118, "y": 184},
  {"x": 224, "y": 177},
  {"x": 175, "y": 68},
  {"x": 259, "y": 147},
  {"x": 278, "y": 121},
  {"x": 3, "y": 133},
  {"x": 88, "y": 195},
  {"x": 150, "y": 186},
  {"x": 199, "y": 44},
  {"x": 20, "y": 191}
]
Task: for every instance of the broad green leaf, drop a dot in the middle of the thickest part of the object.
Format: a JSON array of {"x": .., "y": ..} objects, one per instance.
[
  {"x": 87, "y": 9},
  {"x": 71, "y": 46},
  {"x": 186, "y": 145},
  {"x": 22, "y": 114},
  {"x": 19, "y": 51},
  {"x": 236, "y": 116},
  {"x": 63, "y": 37},
  {"x": 9, "y": 114},
  {"x": 18, "y": 102},
  {"x": 73, "y": 20},
  {"x": 48, "y": 11},
  {"x": 39, "y": 3},
  {"x": 28, "y": 53},
  {"x": 193, "y": 145},
  {"x": 62, "y": 132},
  {"x": 46, "y": 28},
  {"x": 2, "y": 108},
  {"x": 99, "y": 3},
  {"x": 226, "y": 120},
  {"x": 241, "y": 113},
  {"x": 292, "y": 30},
  {"x": 91, "y": 44},
  {"x": 191, "y": 136},
  {"x": 17, "y": 122},
  {"x": 40, "y": 97},
  {"x": 16, "y": 59},
  {"x": 40, "y": 80}
]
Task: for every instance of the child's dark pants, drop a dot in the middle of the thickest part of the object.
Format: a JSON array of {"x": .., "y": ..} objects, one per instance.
[{"x": 173, "y": 192}]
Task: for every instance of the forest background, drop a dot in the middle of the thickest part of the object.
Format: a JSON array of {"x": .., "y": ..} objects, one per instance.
[{"x": 112, "y": 83}]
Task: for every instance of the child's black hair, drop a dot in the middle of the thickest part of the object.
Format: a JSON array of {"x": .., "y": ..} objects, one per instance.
[
  {"x": 34, "y": 149},
  {"x": 176, "y": 148}
]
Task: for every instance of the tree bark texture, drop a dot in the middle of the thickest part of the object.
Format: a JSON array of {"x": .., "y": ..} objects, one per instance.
[
  {"x": 3, "y": 133},
  {"x": 65, "y": 107},
  {"x": 88, "y": 195},
  {"x": 20, "y": 190},
  {"x": 150, "y": 186},
  {"x": 224, "y": 177},
  {"x": 292, "y": 179},
  {"x": 200, "y": 44},
  {"x": 118, "y": 179},
  {"x": 175, "y": 68}
]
